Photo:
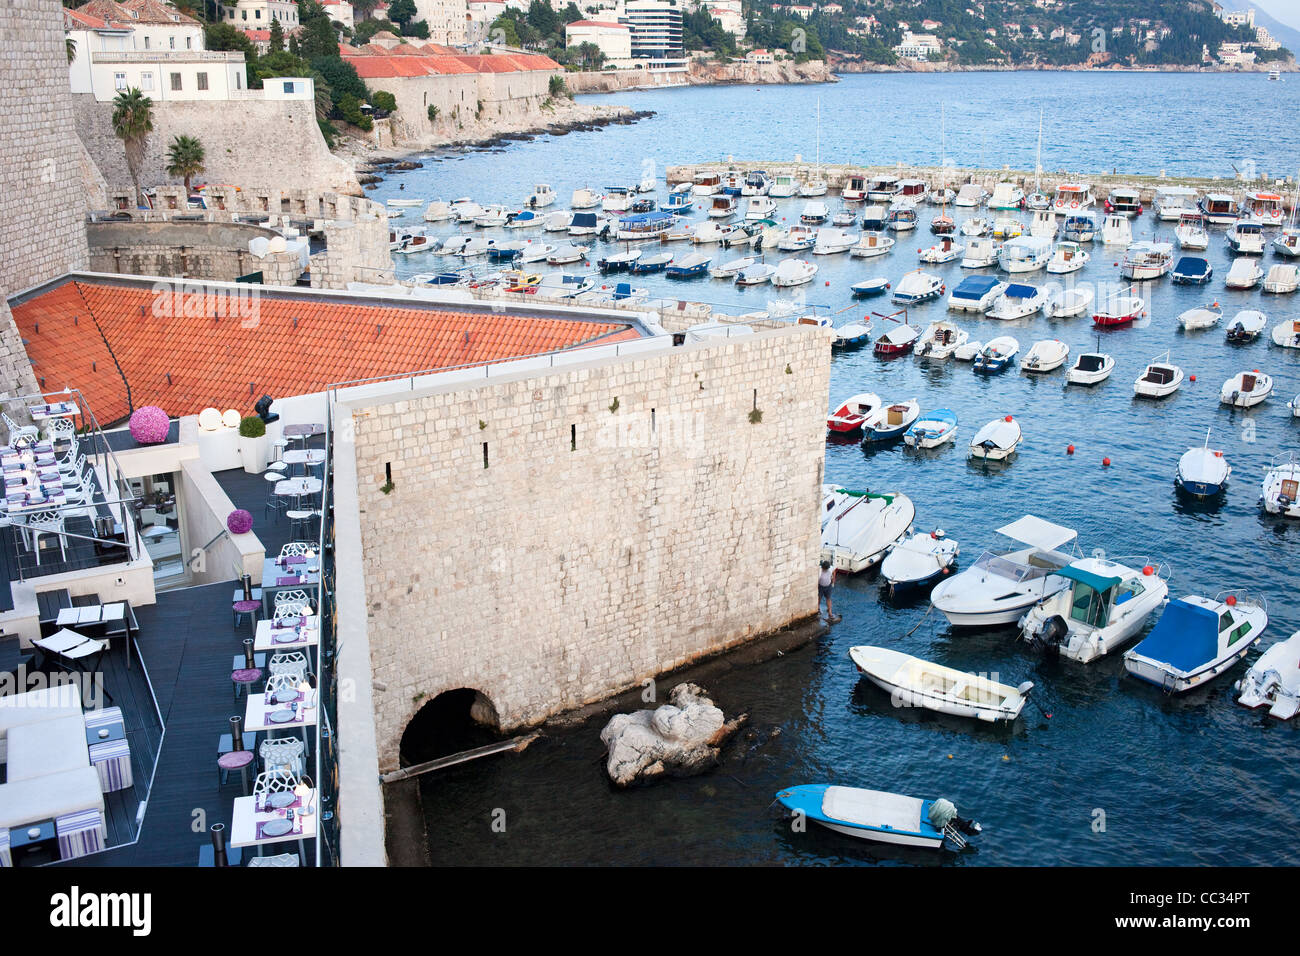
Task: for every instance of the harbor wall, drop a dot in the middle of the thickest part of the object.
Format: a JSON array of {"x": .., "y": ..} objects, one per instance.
[
  {"x": 42, "y": 203},
  {"x": 464, "y": 100},
  {"x": 196, "y": 250},
  {"x": 701, "y": 71},
  {"x": 247, "y": 141},
  {"x": 552, "y": 539}
]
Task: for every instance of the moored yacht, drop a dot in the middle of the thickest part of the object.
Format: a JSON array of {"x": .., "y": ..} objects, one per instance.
[{"x": 1147, "y": 260}]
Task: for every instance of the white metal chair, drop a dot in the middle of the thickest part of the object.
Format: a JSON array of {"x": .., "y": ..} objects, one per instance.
[
  {"x": 46, "y": 522},
  {"x": 295, "y": 549},
  {"x": 282, "y": 753},
  {"x": 281, "y": 682},
  {"x": 61, "y": 429},
  {"x": 296, "y": 596},
  {"x": 293, "y": 663},
  {"x": 17, "y": 431},
  {"x": 275, "y": 780},
  {"x": 72, "y": 463},
  {"x": 280, "y": 859}
]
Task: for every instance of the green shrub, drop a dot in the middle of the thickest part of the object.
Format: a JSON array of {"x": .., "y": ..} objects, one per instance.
[
  {"x": 252, "y": 426},
  {"x": 383, "y": 100}
]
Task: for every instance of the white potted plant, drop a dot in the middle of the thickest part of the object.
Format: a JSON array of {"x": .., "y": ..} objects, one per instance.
[{"x": 254, "y": 446}]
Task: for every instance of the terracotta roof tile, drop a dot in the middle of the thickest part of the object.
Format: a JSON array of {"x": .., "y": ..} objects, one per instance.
[{"x": 213, "y": 360}]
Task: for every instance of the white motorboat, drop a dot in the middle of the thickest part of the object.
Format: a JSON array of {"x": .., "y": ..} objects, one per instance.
[
  {"x": 534, "y": 251},
  {"x": 1202, "y": 470},
  {"x": 784, "y": 185},
  {"x": 586, "y": 224},
  {"x": 1044, "y": 225},
  {"x": 565, "y": 254},
  {"x": 452, "y": 245},
  {"x": 616, "y": 199},
  {"x": 1246, "y": 326},
  {"x": 733, "y": 268},
  {"x": 932, "y": 429},
  {"x": 998, "y": 440},
  {"x": 756, "y": 274},
  {"x": 1079, "y": 229},
  {"x": 976, "y": 293},
  {"x": 759, "y": 207},
  {"x": 1046, "y": 355},
  {"x": 1120, "y": 308},
  {"x": 1007, "y": 227},
  {"x": 918, "y": 561},
  {"x": 466, "y": 210},
  {"x": 648, "y": 182},
  {"x": 797, "y": 239},
  {"x": 1073, "y": 199},
  {"x": 542, "y": 195},
  {"x": 883, "y": 189},
  {"x": 475, "y": 246},
  {"x": 722, "y": 206},
  {"x": 981, "y": 253},
  {"x": 1273, "y": 681},
  {"x": 997, "y": 355},
  {"x": 1287, "y": 243},
  {"x": 1287, "y": 334},
  {"x": 854, "y": 189},
  {"x": 913, "y": 191},
  {"x": 891, "y": 421},
  {"x": 1246, "y": 389},
  {"x": 1280, "y": 491},
  {"x": 872, "y": 244},
  {"x": 1090, "y": 368},
  {"x": 1103, "y": 606},
  {"x": 968, "y": 352},
  {"x": 491, "y": 217},
  {"x": 1018, "y": 300},
  {"x": 1200, "y": 317},
  {"x": 1067, "y": 303},
  {"x": 1282, "y": 279},
  {"x": 1147, "y": 260},
  {"x": 879, "y": 816},
  {"x": 1244, "y": 274},
  {"x": 792, "y": 272},
  {"x": 902, "y": 217},
  {"x": 1025, "y": 254},
  {"x": 1171, "y": 203},
  {"x": 875, "y": 219},
  {"x": 856, "y": 537},
  {"x": 970, "y": 196},
  {"x": 1190, "y": 233},
  {"x": 1246, "y": 237},
  {"x": 563, "y": 285},
  {"x": 558, "y": 221},
  {"x": 1006, "y": 196},
  {"x": 912, "y": 682},
  {"x": 941, "y": 196},
  {"x": 1266, "y": 208},
  {"x": 1117, "y": 231},
  {"x": 584, "y": 198},
  {"x": 975, "y": 227},
  {"x": 1067, "y": 257},
  {"x": 917, "y": 287},
  {"x": 940, "y": 340},
  {"x": 833, "y": 241},
  {"x": 1160, "y": 378},
  {"x": 850, "y": 416},
  {"x": 814, "y": 213},
  {"x": 945, "y": 250},
  {"x": 707, "y": 231},
  {"x": 813, "y": 187},
  {"x": 1197, "y": 639},
  {"x": 439, "y": 211},
  {"x": 1000, "y": 586}
]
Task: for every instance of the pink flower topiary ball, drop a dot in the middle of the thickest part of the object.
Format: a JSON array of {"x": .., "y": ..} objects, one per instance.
[{"x": 149, "y": 425}]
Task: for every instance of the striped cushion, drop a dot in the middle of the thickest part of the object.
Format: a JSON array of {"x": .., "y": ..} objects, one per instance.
[
  {"x": 4, "y": 847},
  {"x": 112, "y": 761},
  {"x": 80, "y": 833},
  {"x": 104, "y": 717}
]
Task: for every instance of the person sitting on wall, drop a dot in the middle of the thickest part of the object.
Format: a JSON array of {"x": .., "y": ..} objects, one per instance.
[{"x": 825, "y": 581}]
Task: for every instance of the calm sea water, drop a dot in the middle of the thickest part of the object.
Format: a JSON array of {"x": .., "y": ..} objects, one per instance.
[{"x": 1189, "y": 780}]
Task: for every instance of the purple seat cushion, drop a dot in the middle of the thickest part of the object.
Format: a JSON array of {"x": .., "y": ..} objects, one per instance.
[
  {"x": 246, "y": 675},
  {"x": 243, "y": 607},
  {"x": 235, "y": 760}
]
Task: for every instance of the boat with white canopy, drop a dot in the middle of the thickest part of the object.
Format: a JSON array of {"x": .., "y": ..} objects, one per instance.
[{"x": 856, "y": 536}]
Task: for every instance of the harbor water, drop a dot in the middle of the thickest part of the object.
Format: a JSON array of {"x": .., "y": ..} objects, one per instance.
[{"x": 1100, "y": 769}]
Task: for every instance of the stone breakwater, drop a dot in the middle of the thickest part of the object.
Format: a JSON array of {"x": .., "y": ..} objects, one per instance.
[
  {"x": 836, "y": 175},
  {"x": 702, "y": 72}
]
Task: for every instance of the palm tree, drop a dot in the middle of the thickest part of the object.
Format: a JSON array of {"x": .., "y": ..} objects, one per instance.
[
  {"x": 70, "y": 47},
  {"x": 133, "y": 122},
  {"x": 185, "y": 158}
]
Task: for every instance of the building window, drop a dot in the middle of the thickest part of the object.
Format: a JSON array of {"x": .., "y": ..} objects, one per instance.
[
  {"x": 146, "y": 82},
  {"x": 243, "y": 14},
  {"x": 189, "y": 43},
  {"x": 239, "y": 80},
  {"x": 176, "y": 81},
  {"x": 171, "y": 42},
  {"x": 119, "y": 81},
  {"x": 203, "y": 81},
  {"x": 146, "y": 43},
  {"x": 257, "y": 14},
  {"x": 288, "y": 87}
]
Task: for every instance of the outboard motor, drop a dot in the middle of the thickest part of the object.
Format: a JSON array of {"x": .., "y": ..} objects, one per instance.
[{"x": 1052, "y": 636}]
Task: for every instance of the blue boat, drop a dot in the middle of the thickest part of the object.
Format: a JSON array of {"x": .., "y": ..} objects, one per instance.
[
  {"x": 647, "y": 264},
  {"x": 445, "y": 278},
  {"x": 997, "y": 356},
  {"x": 1079, "y": 229},
  {"x": 688, "y": 267},
  {"x": 869, "y": 287},
  {"x": 1192, "y": 270},
  {"x": 878, "y": 815},
  {"x": 680, "y": 204},
  {"x": 890, "y": 421},
  {"x": 974, "y": 293},
  {"x": 1197, "y": 639}
]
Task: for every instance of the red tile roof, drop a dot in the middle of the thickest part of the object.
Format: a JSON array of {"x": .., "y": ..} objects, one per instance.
[
  {"x": 374, "y": 61},
  {"x": 212, "y": 361}
]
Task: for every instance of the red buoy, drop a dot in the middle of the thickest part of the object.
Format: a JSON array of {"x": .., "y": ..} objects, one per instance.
[
  {"x": 1148, "y": 570},
  {"x": 1007, "y": 419},
  {"x": 1069, "y": 449},
  {"x": 1105, "y": 462},
  {"x": 1231, "y": 600},
  {"x": 1192, "y": 378}
]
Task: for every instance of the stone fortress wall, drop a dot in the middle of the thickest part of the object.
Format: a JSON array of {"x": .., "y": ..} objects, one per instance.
[{"x": 555, "y": 537}]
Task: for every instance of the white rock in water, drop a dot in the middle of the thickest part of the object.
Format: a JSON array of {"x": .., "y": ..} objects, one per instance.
[{"x": 684, "y": 735}]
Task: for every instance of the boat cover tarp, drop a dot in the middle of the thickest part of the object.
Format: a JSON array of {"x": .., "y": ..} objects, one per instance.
[
  {"x": 1090, "y": 362},
  {"x": 974, "y": 287},
  {"x": 1019, "y": 291},
  {"x": 646, "y": 217},
  {"x": 583, "y": 219},
  {"x": 1038, "y": 533},
  {"x": 1192, "y": 266},
  {"x": 1186, "y": 637},
  {"x": 873, "y": 808},
  {"x": 1095, "y": 581}
]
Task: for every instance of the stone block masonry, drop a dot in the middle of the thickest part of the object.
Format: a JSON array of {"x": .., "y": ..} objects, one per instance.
[
  {"x": 41, "y": 199},
  {"x": 554, "y": 538}
]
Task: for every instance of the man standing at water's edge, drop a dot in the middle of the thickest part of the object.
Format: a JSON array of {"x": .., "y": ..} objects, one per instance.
[{"x": 825, "y": 581}]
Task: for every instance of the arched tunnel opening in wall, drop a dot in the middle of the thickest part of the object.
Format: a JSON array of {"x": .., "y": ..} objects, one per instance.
[{"x": 453, "y": 721}]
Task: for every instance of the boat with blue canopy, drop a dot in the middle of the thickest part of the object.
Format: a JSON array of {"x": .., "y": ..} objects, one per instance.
[
  {"x": 879, "y": 815},
  {"x": 1197, "y": 639},
  {"x": 645, "y": 225}
]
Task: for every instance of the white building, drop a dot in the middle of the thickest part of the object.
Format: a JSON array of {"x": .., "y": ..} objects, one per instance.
[
  {"x": 801, "y": 10},
  {"x": 103, "y": 25},
  {"x": 729, "y": 14},
  {"x": 761, "y": 57},
  {"x": 447, "y": 20},
  {"x": 258, "y": 14},
  {"x": 613, "y": 39},
  {"x": 340, "y": 11},
  {"x": 165, "y": 76},
  {"x": 656, "y": 27},
  {"x": 1238, "y": 18},
  {"x": 918, "y": 46},
  {"x": 479, "y": 17},
  {"x": 1234, "y": 54}
]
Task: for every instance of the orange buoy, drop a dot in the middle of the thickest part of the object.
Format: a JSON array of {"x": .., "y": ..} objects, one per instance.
[
  {"x": 1007, "y": 419},
  {"x": 1069, "y": 449},
  {"x": 1105, "y": 462}
]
